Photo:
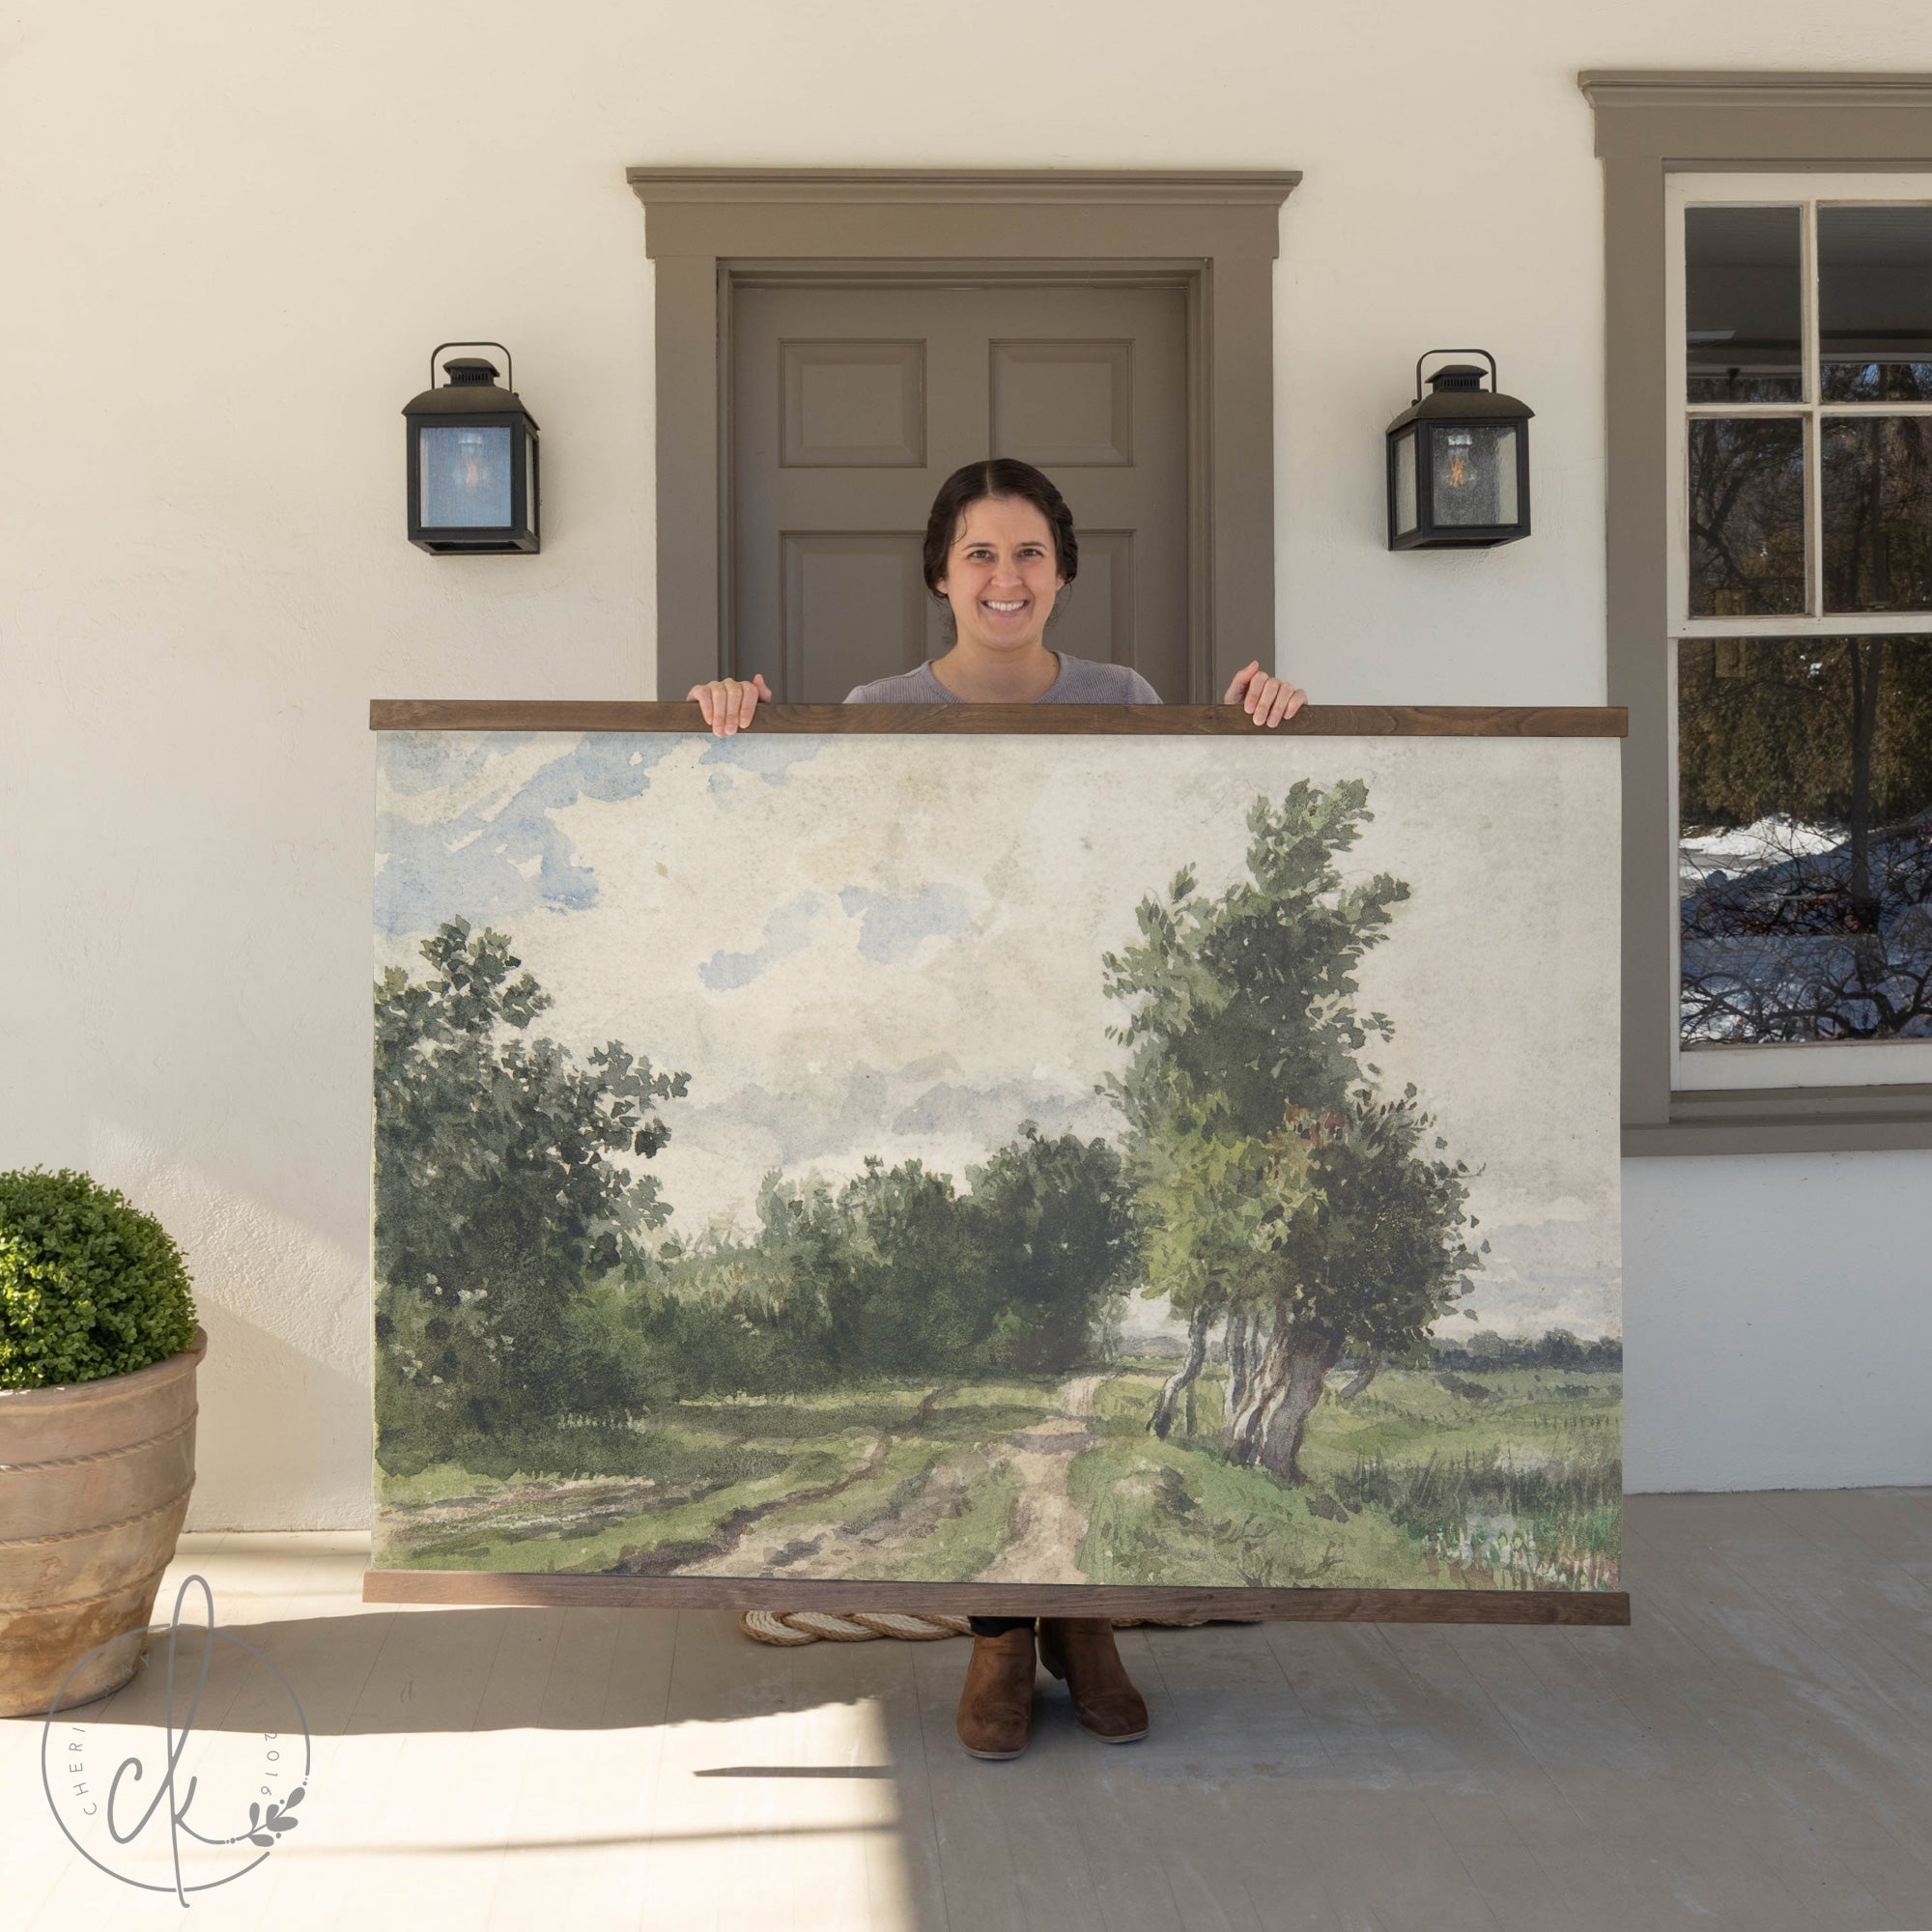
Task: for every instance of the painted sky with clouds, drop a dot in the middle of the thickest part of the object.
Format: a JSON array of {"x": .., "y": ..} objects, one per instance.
[{"x": 891, "y": 944}]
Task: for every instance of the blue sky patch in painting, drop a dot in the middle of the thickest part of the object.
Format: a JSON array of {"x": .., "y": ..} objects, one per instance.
[
  {"x": 787, "y": 930},
  {"x": 891, "y": 927},
  {"x": 418, "y": 762},
  {"x": 769, "y": 757},
  {"x": 492, "y": 862}
]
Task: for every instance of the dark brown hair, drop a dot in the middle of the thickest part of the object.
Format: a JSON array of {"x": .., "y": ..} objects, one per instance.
[{"x": 997, "y": 476}]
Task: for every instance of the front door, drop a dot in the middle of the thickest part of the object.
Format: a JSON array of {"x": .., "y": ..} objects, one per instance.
[{"x": 851, "y": 406}]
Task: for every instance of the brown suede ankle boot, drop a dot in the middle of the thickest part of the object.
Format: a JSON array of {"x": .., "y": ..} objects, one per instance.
[
  {"x": 996, "y": 1704},
  {"x": 1081, "y": 1650}
]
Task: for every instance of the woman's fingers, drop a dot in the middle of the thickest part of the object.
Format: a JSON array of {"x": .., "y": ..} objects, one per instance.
[
  {"x": 1239, "y": 683},
  {"x": 1288, "y": 700},
  {"x": 1270, "y": 700},
  {"x": 728, "y": 702}
]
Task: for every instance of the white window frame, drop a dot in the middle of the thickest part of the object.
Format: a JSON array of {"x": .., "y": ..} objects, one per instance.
[{"x": 1719, "y": 1067}]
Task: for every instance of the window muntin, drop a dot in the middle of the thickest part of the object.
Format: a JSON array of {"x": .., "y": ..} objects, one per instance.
[{"x": 1800, "y": 592}]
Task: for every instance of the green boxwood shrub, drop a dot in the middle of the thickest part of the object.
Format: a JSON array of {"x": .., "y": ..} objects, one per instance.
[{"x": 88, "y": 1284}]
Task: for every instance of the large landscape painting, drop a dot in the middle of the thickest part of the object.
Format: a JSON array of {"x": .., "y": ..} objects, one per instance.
[{"x": 1045, "y": 1159}]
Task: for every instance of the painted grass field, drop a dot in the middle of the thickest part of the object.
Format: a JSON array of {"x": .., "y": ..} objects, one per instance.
[{"x": 1506, "y": 1479}]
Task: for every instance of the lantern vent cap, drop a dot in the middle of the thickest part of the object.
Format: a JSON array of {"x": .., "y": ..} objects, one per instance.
[
  {"x": 1455, "y": 391},
  {"x": 472, "y": 389},
  {"x": 1465, "y": 405}
]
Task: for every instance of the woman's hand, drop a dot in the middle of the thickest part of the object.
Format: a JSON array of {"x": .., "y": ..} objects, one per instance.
[
  {"x": 727, "y": 703},
  {"x": 1269, "y": 699}
]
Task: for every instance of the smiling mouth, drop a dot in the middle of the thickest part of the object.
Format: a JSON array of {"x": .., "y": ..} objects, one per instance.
[{"x": 1002, "y": 610}]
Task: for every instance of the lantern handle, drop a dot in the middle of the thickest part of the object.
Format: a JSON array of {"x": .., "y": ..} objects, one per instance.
[
  {"x": 510, "y": 368},
  {"x": 1495, "y": 379}
]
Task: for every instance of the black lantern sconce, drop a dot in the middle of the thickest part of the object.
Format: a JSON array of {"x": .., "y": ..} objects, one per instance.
[
  {"x": 1459, "y": 461},
  {"x": 473, "y": 460}
]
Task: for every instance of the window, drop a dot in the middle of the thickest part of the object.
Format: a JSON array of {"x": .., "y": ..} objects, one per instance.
[
  {"x": 1800, "y": 590},
  {"x": 1785, "y": 390}
]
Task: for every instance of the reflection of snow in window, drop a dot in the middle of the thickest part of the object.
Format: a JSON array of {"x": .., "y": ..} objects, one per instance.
[{"x": 1801, "y": 454}]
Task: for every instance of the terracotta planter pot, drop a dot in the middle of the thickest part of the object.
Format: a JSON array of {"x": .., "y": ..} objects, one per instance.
[{"x": 94, "y": 1488}]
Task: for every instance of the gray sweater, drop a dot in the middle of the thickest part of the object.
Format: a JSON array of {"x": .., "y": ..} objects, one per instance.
[{"x": 1081, "y": 681}]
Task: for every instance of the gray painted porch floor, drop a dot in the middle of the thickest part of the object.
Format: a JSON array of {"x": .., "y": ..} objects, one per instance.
[{"x": 1754, "y": 1751}]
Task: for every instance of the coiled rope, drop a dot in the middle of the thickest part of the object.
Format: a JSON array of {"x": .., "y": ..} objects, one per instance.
[{"x": 792, "y": 1626}]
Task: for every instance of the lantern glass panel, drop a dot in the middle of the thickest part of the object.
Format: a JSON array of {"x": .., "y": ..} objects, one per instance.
[
  {"x": 465, "y": 476},
  {"x": 1473, "y": 474},
  {"x": 1404, "y": 483}
]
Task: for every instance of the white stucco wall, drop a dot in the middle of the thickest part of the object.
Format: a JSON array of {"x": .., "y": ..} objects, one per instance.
[{"x": 229, "y": 236}]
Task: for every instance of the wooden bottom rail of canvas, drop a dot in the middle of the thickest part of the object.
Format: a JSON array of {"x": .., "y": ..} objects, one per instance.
[{"x": 860, "y": 1626}]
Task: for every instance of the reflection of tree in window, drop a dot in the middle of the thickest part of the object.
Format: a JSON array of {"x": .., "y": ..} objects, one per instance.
[
  {"x": 1746, "y": 516},
  {"x": 1805, "y": 805},
  {"x": 1877, "y": 478}
]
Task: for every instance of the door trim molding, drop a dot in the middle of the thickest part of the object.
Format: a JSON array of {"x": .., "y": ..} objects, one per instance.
[
  {"x": 1259, "y": 187},
  {"x": 709, "y": 229}
]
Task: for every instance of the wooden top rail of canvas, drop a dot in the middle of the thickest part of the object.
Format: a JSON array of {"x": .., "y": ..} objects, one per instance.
[{"x": 1313, "y": 721}]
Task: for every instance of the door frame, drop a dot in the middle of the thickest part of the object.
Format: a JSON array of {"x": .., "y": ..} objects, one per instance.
[{"x": 1217, "y": 235}]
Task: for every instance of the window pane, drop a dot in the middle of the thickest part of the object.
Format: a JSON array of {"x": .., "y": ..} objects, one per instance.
[
  {"x": 465, "y": 478},
  {"x": 1875, "y": 304},
  {"x": 1804, "y": 849},
  {"x": 1404, "y": 483},
  {"x": 1741, "y": 304},
  {"x": 1877, "y": 488},
  {"x": 1746, "y": 516},
  {"x": 1473, "y": 474}
]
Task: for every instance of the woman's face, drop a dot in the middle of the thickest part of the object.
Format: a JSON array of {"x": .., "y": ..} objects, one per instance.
[{"x": 1001, "y": 577}]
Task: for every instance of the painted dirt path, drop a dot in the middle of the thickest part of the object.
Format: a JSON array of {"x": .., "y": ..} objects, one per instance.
[
  {"x": 1048, "y": 1523},
  {"x": 551, "y": 1505},
  {"x": 585, "y": 1506},
  {"x": 724, "y": 1552}
]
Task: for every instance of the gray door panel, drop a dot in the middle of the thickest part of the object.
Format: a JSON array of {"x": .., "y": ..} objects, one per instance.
[{"x": 851, "y": 406}]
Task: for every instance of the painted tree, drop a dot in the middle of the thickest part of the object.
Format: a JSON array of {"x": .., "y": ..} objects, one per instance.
[
  {"x": 908, "y": 1295},
  {"x": 502, "y": 1186},
  {"x": 1054, "y": 1231},
  {"x": 718, "y": 1314},
  {"x": 1240, "y": 1007},
  {"x": 899, "y": 1273},
  {"x": 1362, "y": 1251},
  {"x": 894, "y": 1274},
  {"x": 1199, "y": 1200}
]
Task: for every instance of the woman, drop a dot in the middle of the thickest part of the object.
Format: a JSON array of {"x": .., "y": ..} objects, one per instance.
[{"x": 998, "y": 550}]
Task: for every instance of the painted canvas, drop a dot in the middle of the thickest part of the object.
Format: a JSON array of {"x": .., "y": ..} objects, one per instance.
[{"x": 1135, "y": 1160}]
